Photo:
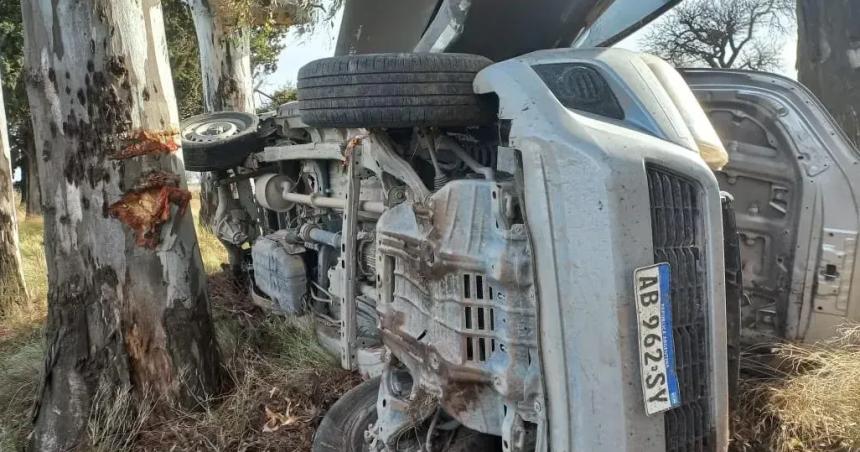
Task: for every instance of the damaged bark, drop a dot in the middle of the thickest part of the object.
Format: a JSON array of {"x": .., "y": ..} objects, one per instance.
[
  {"x": 146, "y": 208},
  {"x": 127, "y": 303},
  {"x": 148, "y": 142},
  {"x": 828, "y": 57},
  {"x": 12, "y": 288}
]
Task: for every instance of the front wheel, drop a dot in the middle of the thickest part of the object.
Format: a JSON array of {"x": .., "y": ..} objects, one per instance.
[{"x": 342, "y": 429}]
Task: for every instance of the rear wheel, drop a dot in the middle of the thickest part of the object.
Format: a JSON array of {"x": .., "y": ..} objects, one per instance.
[
  {"x": 394, "y": 90},
  {"x": 218, "y": 141}
]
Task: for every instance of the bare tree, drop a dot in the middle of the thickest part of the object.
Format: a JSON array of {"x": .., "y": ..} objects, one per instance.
[
  {"x": 12, "y": 288},
  {"x": 745, "y": 34},
  {"x": 828, "y": 57},
  {"x": 127, "y": 303}
]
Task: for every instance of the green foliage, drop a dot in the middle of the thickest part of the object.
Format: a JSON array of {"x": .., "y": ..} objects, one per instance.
[
  {"x": 184, "y": 57},
  {"x": 267, "y": 42},
  {"x": 11, "y": 43},
  {"x": 279, "y": 97},
  {"x": 11, "y": 69}
]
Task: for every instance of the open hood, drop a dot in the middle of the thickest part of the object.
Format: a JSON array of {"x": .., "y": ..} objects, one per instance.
[{"x": 497, "y": 29}]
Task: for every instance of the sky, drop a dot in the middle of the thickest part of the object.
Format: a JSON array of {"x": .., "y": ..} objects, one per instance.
[
  {"x": 302, "y": 49},
  {"x": 321, "y": 42},
  {"x": 789, "y": 50}
]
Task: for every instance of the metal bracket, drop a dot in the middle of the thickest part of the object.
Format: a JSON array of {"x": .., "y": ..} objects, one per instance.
[
  {"x": 834, "y": 271},
  {"x": 348, "y": 258},
  {"x": 513, "y": 432},
  {"x": 308, "y": 151},
  {"x": 381, "y": 157}
]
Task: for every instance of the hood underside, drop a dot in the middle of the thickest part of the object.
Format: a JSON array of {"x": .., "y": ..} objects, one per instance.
[{"x": 497, "y": 29}]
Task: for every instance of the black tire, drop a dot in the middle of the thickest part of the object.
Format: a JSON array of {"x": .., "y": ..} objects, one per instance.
[
  {"x": 342, "y": 428},
  {"x": 219, "y": 141},
  {"x": 394, "y": 90}
]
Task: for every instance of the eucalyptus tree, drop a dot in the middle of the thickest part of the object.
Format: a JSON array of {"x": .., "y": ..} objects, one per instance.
[
  {"x": 127, "y": 302},
  {"x": 12, "y": 288}
]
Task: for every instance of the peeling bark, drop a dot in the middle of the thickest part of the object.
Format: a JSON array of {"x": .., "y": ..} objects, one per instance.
[
  {"x": 123, "y": 312},
  {"x": 828, "y": 57},
  {"x": 12, "y": 288}
]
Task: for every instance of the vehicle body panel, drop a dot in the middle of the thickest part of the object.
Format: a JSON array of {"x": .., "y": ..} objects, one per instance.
[
  {"x": 497, "y": 29},
  {"x": 621, "y": 19},
  {"x": 795, "y": 178},
  {"x": 587, "y": 204},
  {"x": 379, "y": 26}
]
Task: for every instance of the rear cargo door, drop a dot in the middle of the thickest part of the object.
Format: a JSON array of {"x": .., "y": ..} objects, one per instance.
[{"x": 795, "y": 179}]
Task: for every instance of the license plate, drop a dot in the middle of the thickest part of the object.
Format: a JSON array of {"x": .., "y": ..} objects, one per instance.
[{"x": 656, "y": 344}]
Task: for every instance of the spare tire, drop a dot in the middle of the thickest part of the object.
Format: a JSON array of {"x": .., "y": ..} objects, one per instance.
[
  {"x": 218, "y": 141},
  {"x": 394, "y": 90}
]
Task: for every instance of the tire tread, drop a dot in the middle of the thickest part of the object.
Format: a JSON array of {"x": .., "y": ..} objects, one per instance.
[{"x": 394, "y": 90}]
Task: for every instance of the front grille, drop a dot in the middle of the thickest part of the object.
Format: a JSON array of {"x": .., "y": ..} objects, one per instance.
[{"x": 676, "y": 221}]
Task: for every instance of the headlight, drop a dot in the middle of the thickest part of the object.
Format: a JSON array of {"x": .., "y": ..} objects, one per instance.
[{"x": 710, "y": 147}]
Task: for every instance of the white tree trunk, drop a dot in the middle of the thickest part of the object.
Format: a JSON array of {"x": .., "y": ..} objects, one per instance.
[
  {"x": 225, "y": 60},
  {"x": 127, "y": 303},
  {"x": 225, "y": 63},
  {"x": 12, "y": 288}
]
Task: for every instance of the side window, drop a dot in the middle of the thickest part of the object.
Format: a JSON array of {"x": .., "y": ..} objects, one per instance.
[{"x": 580, "y": 87}]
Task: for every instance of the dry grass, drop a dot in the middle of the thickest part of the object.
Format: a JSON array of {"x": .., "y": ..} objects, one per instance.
[
  {"x": 813, "y": 402},
  {"x": 211, "y": 250},
  {"x": 19, "y": 371},
  {"x": 24, "y": 320},
  {"x": 282, "y": 381},
  {"x": 21, "y": 341}
]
